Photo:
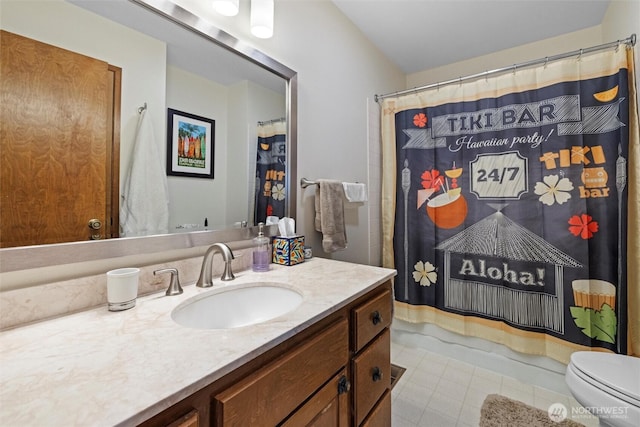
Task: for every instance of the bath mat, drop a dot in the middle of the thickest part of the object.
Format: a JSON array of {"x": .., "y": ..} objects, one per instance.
[
  {"x": 396, "y": 373},
  {"x": 500, "y": 411}
]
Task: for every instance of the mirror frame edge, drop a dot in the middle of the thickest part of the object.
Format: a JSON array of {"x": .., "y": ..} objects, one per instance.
[{"x": 30, "y": 257}]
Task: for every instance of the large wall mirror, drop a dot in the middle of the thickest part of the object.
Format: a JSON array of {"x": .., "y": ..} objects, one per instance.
[{"x": 170, "y": 58}]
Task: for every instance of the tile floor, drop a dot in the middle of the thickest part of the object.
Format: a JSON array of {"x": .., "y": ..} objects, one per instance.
[{"x": 438, "y": 391}]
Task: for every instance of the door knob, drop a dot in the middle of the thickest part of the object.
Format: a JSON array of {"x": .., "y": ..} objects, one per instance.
[
  {"x": 95, "y": 224},
  {"x": 343, "y": 385}
]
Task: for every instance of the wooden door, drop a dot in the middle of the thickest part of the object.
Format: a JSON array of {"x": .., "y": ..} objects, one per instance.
[
  {"x": 328, "y": 407},
  {"x": 58, "y": 143}
]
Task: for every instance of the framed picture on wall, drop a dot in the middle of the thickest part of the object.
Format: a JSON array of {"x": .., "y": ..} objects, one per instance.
[{"x": 190, "y": 145}]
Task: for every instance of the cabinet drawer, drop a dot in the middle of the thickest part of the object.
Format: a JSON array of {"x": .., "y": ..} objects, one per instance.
[
  {"x": 370, "y": 318},
  {"x": 380, "y": 415},
  {"x": 372, "y": 375},
  {"x": 269, "y": 395}
]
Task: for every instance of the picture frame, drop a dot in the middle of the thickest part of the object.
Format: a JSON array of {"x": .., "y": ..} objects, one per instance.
[{"x": 190, "y": 145}]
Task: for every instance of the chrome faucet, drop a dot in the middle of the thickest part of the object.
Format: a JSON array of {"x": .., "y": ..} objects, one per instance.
[{"x": 206, "y": 280}]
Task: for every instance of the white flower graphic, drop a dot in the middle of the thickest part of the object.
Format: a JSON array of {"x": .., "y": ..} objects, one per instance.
[
  {"x": 425, "y": 274},
  {"x": 553, "y": 190},
  {"x": 277, "y": 192}
]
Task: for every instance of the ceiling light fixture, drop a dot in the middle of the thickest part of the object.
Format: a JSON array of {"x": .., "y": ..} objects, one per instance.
[
  {"x": 262, "y": 18},
  {"x": 226, "y": 7}
]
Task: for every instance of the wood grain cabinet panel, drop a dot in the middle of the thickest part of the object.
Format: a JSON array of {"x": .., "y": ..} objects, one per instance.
[
  {"x": 328, "y": 407},
  {"x": 371, "y": 318},
  {"x": 380, "y": 415},
  {"x": 372, "y": 375},
  {"x": 268, "y": 396},
  {"x": 192, "y": 419}
]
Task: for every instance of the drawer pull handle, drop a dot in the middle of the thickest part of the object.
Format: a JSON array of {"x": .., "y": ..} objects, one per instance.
[
  {"x": 376, "y": 317},
  {"x": 376, "y": 374},
  {"x": 343, "y": 385}
]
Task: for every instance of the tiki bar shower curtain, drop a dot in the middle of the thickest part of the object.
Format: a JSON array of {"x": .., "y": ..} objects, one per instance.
[
  {"x": 505, "y": 206},
  {"x": 270, "y": 170}
]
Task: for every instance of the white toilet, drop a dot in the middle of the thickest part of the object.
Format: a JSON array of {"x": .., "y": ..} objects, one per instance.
[{"x": 608, "y": 385}]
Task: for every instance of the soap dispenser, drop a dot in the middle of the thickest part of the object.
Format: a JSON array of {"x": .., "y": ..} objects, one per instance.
[{"x": 261, "y": 251}]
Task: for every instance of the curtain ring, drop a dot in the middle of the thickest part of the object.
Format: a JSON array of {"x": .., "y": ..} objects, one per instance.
[
  {"x": 438, "y": 87},
  {"x": 546, "y": 61},
  {"x": 460, "y": 80},
  {"x": 486, "y": 76},
  {"x": 514, "y": 68},
  {"x": 618, "y": 46},
  {"x": 580, "y": 54}
]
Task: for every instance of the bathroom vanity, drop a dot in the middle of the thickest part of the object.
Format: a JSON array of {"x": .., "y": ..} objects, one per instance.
[{"x": 325, "y": 362}]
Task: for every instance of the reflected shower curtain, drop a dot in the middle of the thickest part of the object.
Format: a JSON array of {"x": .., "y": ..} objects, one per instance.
[
  {"x": 510, "y": 206},
  {"x": 270, "y": 181}
]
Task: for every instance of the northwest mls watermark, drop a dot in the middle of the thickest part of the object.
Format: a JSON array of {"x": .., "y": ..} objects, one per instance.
[{"x": 558, "y": 412}]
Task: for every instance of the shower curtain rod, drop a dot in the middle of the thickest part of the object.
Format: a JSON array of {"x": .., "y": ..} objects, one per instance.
[
  {"x": 630, "y": 41},
  {"x": 267, "y": 122}
]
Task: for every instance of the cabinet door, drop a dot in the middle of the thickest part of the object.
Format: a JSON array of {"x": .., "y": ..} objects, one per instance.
[
  {"x": 372, "y": 375},
  {"x": 269, "y": 395},
  {"x": 380, "y": 415},
  {"x": 327, "y": 408},
  {"x": 192, "y": 419}
]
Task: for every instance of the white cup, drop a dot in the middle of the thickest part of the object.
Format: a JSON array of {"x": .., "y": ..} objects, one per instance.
[{"x": 122, "y": 288}]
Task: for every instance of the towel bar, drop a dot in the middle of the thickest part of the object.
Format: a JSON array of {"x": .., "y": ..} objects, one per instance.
[{"x": 304, "y": 182}]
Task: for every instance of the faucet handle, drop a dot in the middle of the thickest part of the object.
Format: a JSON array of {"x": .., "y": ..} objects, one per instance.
[{"x": 174, "y": 285}]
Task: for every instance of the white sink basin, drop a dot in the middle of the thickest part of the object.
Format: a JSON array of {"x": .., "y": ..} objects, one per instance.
[{"x": 244, "y": 305}]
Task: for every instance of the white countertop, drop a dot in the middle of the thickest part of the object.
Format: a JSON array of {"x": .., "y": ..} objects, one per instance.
[{"x": 120, "y": 368}]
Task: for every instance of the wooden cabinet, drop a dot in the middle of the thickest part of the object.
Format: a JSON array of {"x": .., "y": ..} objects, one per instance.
[
  {"x": 192, "y": 419},
  {"x": 380, "y": 416},
  {"x": 328, "y": 407},
  {"x": 277, "y": 390},
  {"x": 372, "y": 375},
  {"x": 336, "y": 372},
  {"x": 371, "y": 363}
]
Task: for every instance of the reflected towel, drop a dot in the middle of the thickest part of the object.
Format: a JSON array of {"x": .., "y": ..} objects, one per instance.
[
  {"x": 330, "y": 215},
  {"x": 355, "y": 191},
  {"x": 144, "y": 205}
]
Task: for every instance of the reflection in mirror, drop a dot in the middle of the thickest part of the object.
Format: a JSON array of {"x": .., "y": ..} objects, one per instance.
[
  {"x": 163, "y": 65},
  {"x": 171, "y": 59}
]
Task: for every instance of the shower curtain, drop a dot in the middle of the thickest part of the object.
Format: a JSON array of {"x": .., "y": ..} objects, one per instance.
[
  {"x": 510, "y": 206},
  {"x": 270, "y": 191}
]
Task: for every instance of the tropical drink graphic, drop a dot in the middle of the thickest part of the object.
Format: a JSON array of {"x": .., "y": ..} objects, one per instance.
[
  {"x": 447, "y": 210},
  {"x": 593, "y": 293},
  {"x": 453, "y": 173}
]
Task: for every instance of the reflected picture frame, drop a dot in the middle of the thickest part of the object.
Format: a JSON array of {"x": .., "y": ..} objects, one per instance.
[{"x": 190, "y": 145}]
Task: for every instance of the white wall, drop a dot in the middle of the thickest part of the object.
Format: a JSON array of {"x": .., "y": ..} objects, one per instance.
[
  {"x": 505, "y": 58},
  {"x": 621, "y": 20}
]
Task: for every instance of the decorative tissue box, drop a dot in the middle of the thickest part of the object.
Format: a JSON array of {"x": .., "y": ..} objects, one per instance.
[{"x": 288, "y": 250}]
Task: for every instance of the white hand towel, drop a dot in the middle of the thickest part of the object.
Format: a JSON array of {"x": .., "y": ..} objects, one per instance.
[
  {"x": 144, "y": 207},
  {"x": 355, "y": 191}
]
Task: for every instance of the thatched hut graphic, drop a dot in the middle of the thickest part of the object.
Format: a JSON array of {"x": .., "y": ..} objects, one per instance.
[{"x": 499, "y": 237}]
